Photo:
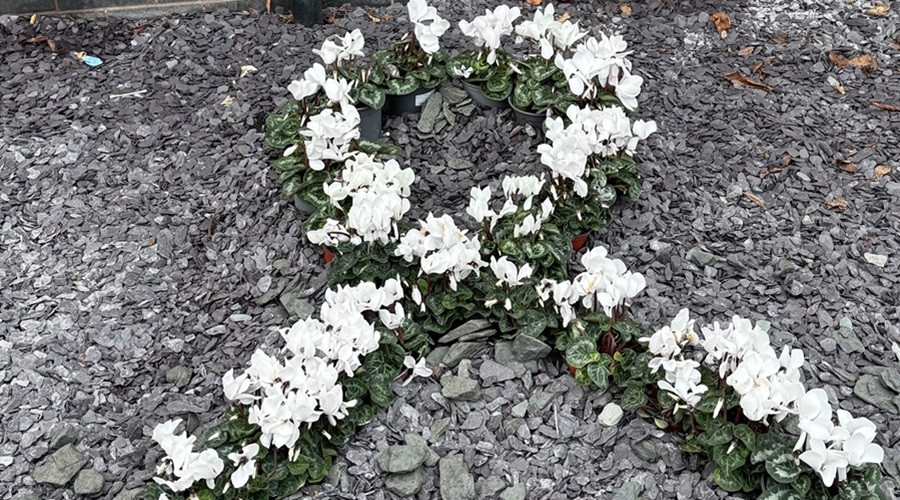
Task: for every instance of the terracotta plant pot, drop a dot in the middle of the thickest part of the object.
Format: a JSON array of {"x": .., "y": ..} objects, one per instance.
[
  {"x": 407, "y": 103},
  {"x": 578, "y": 242},
  {"x": 327, "y": 254},
  {"x": 536, "y": 120},
  {"x": 474, "y": 91},
  {"x": 572, "y": 370}
]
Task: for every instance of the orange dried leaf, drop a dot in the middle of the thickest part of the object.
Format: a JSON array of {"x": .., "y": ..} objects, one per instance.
[
  {"x": 837, "y": 205},
  {"x": 881, "y": 171},
  {"x": 374, "y": 18},
  {"x": 864, "y": 61},
  {"x": 626, "y": 9},
  {"x": 722, "y": 22},
  {"x": 755, "y": 199},
  {"x": 534, "y": 2},
  {"x": 886, "y": 107},
  {"x": 738, "y": 77},
  {"x": 880, "y": 9},
  {"x": 769, "y": 172},
  {"x": 563, "y": 18},
  {"x": 847, "y": 166},
  {"x": 839, "y": 61},
  {"x": 746, "y": 51}
]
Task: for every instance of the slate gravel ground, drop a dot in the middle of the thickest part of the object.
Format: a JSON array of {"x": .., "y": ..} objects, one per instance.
[{"x": 144, "y": 249}]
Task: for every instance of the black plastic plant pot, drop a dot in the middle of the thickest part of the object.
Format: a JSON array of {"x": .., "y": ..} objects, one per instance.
[
  {"x": 307, "y": 12},
  {"x": 478, "y": 96},
  {"x": 369, "y": 123},
  {"x": 408, "y": 103},
  {"x": 536, "y": 120}
]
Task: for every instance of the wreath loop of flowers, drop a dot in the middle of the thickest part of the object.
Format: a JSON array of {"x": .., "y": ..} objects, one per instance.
[{"x": 395, "y": 288}]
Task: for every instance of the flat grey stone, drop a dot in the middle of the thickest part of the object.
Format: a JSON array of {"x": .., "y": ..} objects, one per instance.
[
  {"x": 629, "y": 491},
  {"x": 60, "y": 467},
  {"x": 438, "y": 427},
  {"x": 467, "y": 329},
  {"x": 492, "y": 372},
  {"x": 456, "y": 483},
  {"x": 293, "y": 303},
  {"x": 528, "y": 348},
  {"x": 519, "y": 410},
  {"x": 459, "y": 388},
  {"x": 401, "y": 458},
  {"x": 611, "y": 414},
  {"x": 179, "y": 375},
  {"x": 88, "y": 482},
  {"x": 463, "y": 350},
  {"x": 405, "y": 484},
  {"x": 515, "y": 492},
  {"x": 700, "y": 257},
  {"x": 67, "y": 434},
  {"x": 876, "y": 259},
  {"x": 417, "y": 441},
  {"x": 870, "y": 389},
  {"x": 132, "y": 494}
]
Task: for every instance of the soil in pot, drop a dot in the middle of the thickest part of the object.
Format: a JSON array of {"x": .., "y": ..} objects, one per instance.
[
  {"x": 407, "y": 103},
  {"x": 474, "y": 91},
  {"x": 536, "y": 120},
  {"x": 578, "y": 242},
  {"x": 369, "y": 123}
]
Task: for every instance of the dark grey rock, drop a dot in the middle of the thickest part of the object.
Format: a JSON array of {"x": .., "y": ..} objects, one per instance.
[
  {"x": 405, "y": 485},
  {"x": 463, "y": 350},
  {"x": 67, "y": 434},
  {"x": 456, "y": 483},
  {"x": 870, "y": 389},
  {"x": 88, "y": 482},
  {"x": 629, "y": 491},
  {"x": 460, "y": 388},
  {"x": 60, "y": 467},
  {"x": 402, "y": 458},
  {"x": 492, "y": 372},
  {"x": 179, "y": 375},
  {"x": 701, "y": 257},
  {"x": 528, "y": 348}
]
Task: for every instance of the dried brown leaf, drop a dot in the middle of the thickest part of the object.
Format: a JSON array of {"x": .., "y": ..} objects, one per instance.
[
  {"x": 847, "y": 166},
  {"x": 746, "y": 51},
  {"x": 886, "y": 107},
  {"x": 837, "y": 205},
  {"x": 769, "y": 172},
  {"x": 534, "y": 2},
  {"x": 881, "y": 171},
  {"x": 755, "y": 199},
  {"x": 722, "y": 22},
  {"x": 626, "y": 9},
  {"x": 373, "y": 18},
  {"x": 880, "y": 9},
  {"x": 864, "y": 61},
  {"x": 738, "y": 77},
  {"x": 563, "y": 18}
]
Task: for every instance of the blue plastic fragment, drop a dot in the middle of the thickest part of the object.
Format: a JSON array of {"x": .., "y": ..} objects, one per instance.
[{"x": 91, "y": 61}]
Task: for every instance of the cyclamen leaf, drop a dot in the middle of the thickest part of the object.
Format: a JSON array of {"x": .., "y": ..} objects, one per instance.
[
  {"x": 299, "y": 466},
  {"x": 745, "y": 434},
  {"x": 783, "y": 468},
  {"x": 581, "y": 351},
  {"x": 728, "y": 481},
  {"x": 718, "y": 436},
  {"x": 767, "y": 447},
  {"x": 776, "y": 491},
  {"x": 599, "y": 374},
  {"x": 633, "y": 398},
  {"x": 802, "y": 484}
]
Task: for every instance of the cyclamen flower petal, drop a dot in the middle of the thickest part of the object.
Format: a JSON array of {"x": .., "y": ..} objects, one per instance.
[{"x": 418, "y": 368}]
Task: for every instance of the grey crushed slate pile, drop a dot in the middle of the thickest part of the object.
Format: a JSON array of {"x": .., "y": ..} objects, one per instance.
[{"x": 144, "y": 249}]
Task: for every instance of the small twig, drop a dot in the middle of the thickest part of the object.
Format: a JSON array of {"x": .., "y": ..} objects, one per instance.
[{"x": 136, "y": 93}]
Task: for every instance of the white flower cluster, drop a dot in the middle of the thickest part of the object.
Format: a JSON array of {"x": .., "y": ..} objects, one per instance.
[
  {"x": 508, "y": 274},
  {"x": 336, "y": 90},
  {"x": 429, "y": 26},
  {"x": 831, "y": 449},
  {"x": 181, "y": 461},
  {"x": 682, "y": 375},
  {"x": 486, "y": 31},
  {"x": 605, "y": 283},
  {"x": 520, "y": 192},
  {"x": 379, "y": 195},
  {"x": 329, "y": 135},
  {"x": 605, "y": 132},
  {"x": 442, "y": 249},
  {"x": 283, "y": 395},
  {"x": 550, "y": 34},
  {"x": 350, "y": 46},
  {"x": 598, "y": 64}
]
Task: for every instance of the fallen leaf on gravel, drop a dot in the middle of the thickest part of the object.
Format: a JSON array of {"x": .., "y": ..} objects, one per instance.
[
  {"x": 137, "y": 29},
  {"x": 33, "y": 19},
  {"x": 759, "y": 65},
  {"x": 626, "y": 9},
  {"x": 864, "y": 61},
  {"x": 887, "y": 107},
  {"x": 722, "y": 22},
  {"x": 374, "y": 18},
  {"x": 247, "y": 69},
  {"x": 837, "y": 205},
  {"x": 738, "y": 77},
  {"x": 563, "y": 18},
  {"x": 755, "y": 199},
  {"x": 769, "y": 172},
  {"x": 880, "y": 9},
  {"x": 881, "y": 171},
  {"x": 836, "y": 85},
  {"x": 534, "y": 2},
  {"x": 42, "y": 39},
  {"x": 228, "y": 101},
  {"x": 847, "y": 166},
  {"x": 746, "y": 51}
]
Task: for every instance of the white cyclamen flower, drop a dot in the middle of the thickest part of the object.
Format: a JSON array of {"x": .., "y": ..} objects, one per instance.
[
  {"x": 246, "y": 465},
  {"x": 429, "y": 26},
  {"x": 507, "y": 272},
  {"x": 417, "y": 368}
]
